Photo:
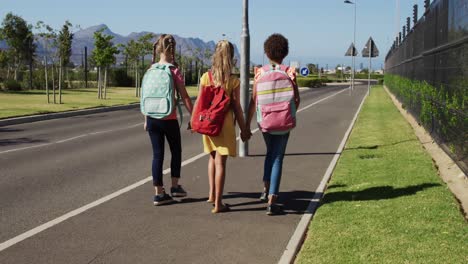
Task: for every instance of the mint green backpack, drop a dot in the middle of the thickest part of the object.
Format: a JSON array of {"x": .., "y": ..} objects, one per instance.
[{"x": 157, "y": 92}]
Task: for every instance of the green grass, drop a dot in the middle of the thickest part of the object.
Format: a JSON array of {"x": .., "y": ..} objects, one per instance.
[
  {"x": 385, "y": 202},
  {"x": 33, "y": 102}
]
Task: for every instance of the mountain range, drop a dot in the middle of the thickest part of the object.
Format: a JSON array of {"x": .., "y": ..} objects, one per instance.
[{"x": 85, "y": 38}]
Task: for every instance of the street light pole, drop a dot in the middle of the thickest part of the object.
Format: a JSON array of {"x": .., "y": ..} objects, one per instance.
[
  {"x": 354, "y": 42},
  {"x": 244, "y": 71}
]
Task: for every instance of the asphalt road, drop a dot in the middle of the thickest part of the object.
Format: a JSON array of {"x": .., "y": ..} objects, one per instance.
[{"x": 50, "y": 168}]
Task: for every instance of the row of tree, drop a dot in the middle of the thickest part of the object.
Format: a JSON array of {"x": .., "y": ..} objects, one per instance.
[
  {"x": 57, "y": 50},
  {"x": 18, "y": 35}
]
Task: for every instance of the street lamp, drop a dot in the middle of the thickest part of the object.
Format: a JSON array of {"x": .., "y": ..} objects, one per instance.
[
  {"x": 245, "y": 71},
  {"x": 354, "y": 40}
]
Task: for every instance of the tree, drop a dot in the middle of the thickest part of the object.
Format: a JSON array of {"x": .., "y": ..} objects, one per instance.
[
  {"x": 48, "y": 37},
  {"x": 144, "y": 47},
  {"x": 312, "y": 68},
  {"x": 132, "y": 53},
  {"x": 19, "y": 37},
  {"x": 65, "y": 39},
  {"x": 103, "y": 56}
]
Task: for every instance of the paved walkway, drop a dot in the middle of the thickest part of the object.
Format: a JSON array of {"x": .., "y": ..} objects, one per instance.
[{"x": 86, "y": 158}]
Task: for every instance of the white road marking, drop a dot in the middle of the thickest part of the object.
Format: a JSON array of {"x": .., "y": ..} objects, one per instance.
[
  {"x": 72, "y": 138},
  {"x": 58, "y": 220}
]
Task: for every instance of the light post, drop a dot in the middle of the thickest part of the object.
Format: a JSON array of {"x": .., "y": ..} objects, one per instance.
[
  {"x": 354, "y": 41},
  {"x": 244, "y": 71}
]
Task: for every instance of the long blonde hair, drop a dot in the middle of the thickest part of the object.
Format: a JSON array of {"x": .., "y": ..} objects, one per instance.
[
  {"x": 165, "y": 44},
  {"x": 222, "y": 62}
]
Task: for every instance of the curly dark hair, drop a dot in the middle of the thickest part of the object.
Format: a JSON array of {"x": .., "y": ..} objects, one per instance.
[{"x": 276, "y": 47}]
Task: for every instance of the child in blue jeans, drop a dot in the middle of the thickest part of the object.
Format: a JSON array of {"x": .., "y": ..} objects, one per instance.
[{"x": 276, "y": 48}]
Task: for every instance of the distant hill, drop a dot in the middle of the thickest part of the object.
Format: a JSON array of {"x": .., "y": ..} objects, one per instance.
[{"x": 84, "y": 38}]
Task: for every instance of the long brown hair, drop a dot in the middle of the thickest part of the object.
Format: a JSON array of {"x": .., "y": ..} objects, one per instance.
[
  {"x": 165, "y": 44},
  {"x": 223, "y": 61}
]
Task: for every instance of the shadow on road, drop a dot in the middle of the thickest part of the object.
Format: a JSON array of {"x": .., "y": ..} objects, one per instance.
[
  {"x": 18, "y": 141},
  {"x": 4, "y": 129},
  {"x": 295, "y": 202}
]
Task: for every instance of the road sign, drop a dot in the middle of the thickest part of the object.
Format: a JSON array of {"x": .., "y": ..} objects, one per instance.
[
  {"x": 370, "y": 48},
  {"x": 351, "y": 50},
  {"x": 370, "y": 51},
  {"x": 305, "y": 71}
]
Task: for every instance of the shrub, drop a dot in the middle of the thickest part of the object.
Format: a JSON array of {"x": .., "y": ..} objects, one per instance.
[
  {"x": 11, "y": 85},
  {"x": 310, "y": 82},
  {"x": 121, "y": 78}
]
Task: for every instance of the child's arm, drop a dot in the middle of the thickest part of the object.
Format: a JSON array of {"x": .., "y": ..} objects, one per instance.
[
  {"x": 180, "y": 86},
  {"x": 252, "y": 105},
  {"x": 196, "y": 100},
  {"x": 297, "y": 97},
  {"x": 245, "y": 134},
  {"x": 185, "y": 98}
]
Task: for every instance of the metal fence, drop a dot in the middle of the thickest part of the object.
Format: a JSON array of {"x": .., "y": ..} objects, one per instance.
[{"x": 435, "y": 52}]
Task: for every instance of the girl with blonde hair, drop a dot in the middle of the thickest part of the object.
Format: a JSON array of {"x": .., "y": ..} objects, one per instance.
[
  {"x": 168, "y": 127},
  {"x": 224, "y": 145}
]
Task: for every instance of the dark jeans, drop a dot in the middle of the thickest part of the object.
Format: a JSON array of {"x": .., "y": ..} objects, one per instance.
[
  {"x": 157, "y": 130},
  {"x": 276, "y": 147}
]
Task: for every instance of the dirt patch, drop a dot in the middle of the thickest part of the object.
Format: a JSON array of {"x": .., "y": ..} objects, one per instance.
[{"x": 449, "y": 171}]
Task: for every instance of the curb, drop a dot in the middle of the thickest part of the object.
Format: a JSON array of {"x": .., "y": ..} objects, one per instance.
[
  {"x": 295, "y": 243},
  {"x": 35, "y": 118}
]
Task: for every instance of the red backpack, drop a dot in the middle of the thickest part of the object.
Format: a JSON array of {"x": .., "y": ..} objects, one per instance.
[{"x": 210, "y": 111}]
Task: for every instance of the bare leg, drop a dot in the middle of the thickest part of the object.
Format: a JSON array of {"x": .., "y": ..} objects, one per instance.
[
  {"x": 175, "y": 182},
  {"x": 158, "y": 189},
  {"x": 266, "y": 186},
  {"x": 211, "y": 176},
  {"x": 272, "y": 199},
  {"x": 220, "y": 176}
]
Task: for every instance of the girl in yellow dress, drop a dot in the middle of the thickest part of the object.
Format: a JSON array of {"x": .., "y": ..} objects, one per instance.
[{"x": 223, "y": 145}]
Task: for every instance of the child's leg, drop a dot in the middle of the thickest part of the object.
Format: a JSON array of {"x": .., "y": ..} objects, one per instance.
[
  {"x": 211, "y": 176},
  {"x": 157, "y": 142},
  {"x": 220, "y": 176},
  {"x": 172, "y": 133},
  {"x": 268, "y": 162},
  {"x": 280, "y": 143}
]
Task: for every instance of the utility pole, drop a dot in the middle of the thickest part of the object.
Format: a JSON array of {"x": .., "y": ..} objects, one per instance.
[
  {"x": 86, "y": 66},
  {"x": 245, "y": 71}
]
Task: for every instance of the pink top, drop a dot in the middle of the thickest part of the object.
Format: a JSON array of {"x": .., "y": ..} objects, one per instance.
[{"x": 179, "y": 83}]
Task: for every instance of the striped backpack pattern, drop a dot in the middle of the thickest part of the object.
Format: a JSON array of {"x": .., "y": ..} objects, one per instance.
[
  {"x": 275, "y": 99},
  {"x": 157, "y": 91}
]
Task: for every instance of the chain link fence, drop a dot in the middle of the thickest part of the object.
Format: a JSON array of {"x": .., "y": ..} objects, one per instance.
[{"x": 427, "y": 69}]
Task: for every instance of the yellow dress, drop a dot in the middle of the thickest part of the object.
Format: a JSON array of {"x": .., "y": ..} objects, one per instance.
[{"x": 225, "y": 142}]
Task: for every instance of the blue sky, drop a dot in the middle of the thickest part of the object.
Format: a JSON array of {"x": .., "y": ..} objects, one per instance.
[{"x": 319, "y": 31}]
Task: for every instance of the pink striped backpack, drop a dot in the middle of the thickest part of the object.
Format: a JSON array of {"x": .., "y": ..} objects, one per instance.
[{"x": 276, "y": 109}]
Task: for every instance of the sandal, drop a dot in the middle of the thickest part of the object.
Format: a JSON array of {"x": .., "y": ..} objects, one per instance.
[{"x": 223, "y": 209}]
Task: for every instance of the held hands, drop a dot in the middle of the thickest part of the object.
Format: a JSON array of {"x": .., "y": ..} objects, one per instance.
[{"x": 246, "y": 135}]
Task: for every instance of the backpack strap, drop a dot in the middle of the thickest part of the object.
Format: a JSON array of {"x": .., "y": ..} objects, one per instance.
[
  {"x": 167, "y": 68},
  {"x": 210, "y": 75}
]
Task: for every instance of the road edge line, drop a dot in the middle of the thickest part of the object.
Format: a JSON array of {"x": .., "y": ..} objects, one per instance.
[{"x": 294, "y": 244}]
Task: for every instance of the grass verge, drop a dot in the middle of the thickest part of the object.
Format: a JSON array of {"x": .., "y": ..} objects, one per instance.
[
  {"x": 35, "y": 102},
  {"x": 385, "y": 202}
]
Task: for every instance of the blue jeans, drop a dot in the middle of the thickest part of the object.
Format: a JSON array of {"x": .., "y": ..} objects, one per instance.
[
  {"x": 276, "y": 147},
  {"x": 158, "y": 130}
]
